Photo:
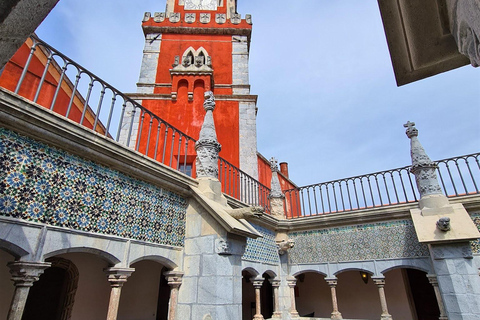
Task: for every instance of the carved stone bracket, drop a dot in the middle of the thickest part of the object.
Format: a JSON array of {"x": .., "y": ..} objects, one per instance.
[
  {"x": 285, "y": 245},
  {"x": 247, "y": 213},
  {"x": 222, "y": 247}
]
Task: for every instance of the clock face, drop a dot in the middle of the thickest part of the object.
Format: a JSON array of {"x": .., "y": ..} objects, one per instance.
[{"x": 201, "y": 4}]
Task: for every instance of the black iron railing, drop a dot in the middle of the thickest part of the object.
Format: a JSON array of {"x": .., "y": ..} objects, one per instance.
[
  {"x": 458, "y": 176},
  {"x": 46, "y": 80}
]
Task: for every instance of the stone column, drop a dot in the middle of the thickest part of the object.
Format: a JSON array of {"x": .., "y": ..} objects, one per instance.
[
  {"x": 117, "y": 277},
  {"x": 174, "y": 279},
  {"x": 257, "y": 284},
  {"x": 434, "y": 282},
  {"x": 380, "y": 282},
  {"x": 292, "y": 282},
  {"x": 277, "y": 314},
  {"x": 24, "y": 274},
  {"x": 333, "y": 284}
]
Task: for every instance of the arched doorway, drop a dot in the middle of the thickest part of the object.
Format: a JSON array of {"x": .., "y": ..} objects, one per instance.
[
  {"x": 357, "y": 295},
  {"x": 52, "y": 296},
  {"x": 266, "y": 296},
  {"x": 410, "y": 295},
  {"x": 146, "y": 293},
  {"x": 312, "y": 295},
  {"x": 6, "y": 284},
  {"x": 248, "y": 294}
]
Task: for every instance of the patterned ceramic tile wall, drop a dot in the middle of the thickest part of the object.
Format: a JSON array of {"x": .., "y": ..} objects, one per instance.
[
  {"x": 262, "y": 249},
  {"x": 42, "y": 184},
  {"x": 396, "y": 239},
  {"x": 476, "y": 244}
]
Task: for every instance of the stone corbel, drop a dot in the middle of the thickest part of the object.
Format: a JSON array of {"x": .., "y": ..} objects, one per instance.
[
  {"x": 285, "y": 245},
  {"x": 246, "y": 213},
  {"x": 222, "y": 247}
]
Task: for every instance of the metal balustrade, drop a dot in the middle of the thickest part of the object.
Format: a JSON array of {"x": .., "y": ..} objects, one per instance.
[
  {"x": 457, "y": 176},
  {"x": 118, "y": 117},
  {"x": 240, "y": 185}
]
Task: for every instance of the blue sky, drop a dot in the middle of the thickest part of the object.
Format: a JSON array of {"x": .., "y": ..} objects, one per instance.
[{"x": 328, "y": 102}]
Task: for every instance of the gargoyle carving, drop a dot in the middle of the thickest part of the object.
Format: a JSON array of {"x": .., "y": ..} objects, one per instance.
[
  {"x": 285, "y": 245},
  {"x": 247, "y": 213},
  {"x": 443, "y": 224}
]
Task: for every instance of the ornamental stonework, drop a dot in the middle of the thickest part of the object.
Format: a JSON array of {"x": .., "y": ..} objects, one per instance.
[
  {"x": 386, "y": 240},
  {"x": 42, "y": 184}
]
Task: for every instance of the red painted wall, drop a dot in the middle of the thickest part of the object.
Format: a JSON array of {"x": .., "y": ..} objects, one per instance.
[{"x": 12, "y": 73}]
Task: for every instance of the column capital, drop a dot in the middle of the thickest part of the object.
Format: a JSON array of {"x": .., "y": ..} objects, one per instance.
[
  {"x": 174, "y": 278},
  {"x": 24, "y": 273},
  {"x": 432, "y": 278},
  {"x": 379, "y": 281},
  {"x": 275, "y": 282},
  {"x": 118, "y": 276},
  {"x": 291, "y": 282},
  {"x": 257, "y": 282},
  {"x": 332, "y": 282}
]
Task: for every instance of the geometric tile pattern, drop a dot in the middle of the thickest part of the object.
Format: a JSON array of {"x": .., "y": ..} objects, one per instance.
[
  {"x": 262, "y": 249},
  {"x": 43, "y": 184},
  {"x": 396, "y": 239},
  {"x": 476, "y": 244}
]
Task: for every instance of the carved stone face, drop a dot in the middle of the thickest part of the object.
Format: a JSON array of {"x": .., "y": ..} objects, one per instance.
[{"x": 443, "y": 224}]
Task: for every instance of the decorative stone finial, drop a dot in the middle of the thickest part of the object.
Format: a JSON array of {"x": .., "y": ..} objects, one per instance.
[
  {"x": 422, "y": 167},
  {"x": 274, "y": 164},
  {"x": 276, "y": 190},
  {"x": 411, "y": 130},
  {"x": 207, "y": 146}
]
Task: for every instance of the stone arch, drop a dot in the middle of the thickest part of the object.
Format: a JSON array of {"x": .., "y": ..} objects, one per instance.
[
  {"x": 271, "y": 274},
  {"x": 169, "y": 264},
  {"x": 410, "y": 264},
  {"x": 359, "y": 269},
  {"x": 308, "y": 270},
  {"x": 146, "y": 291},
  {"x": 252, "y": 271},
  {"x": 110, "y": 258},
  {"x": 46, "y": 296},
  {"x": 248, "y": 293},
  {"x": 15, "y": 250}
]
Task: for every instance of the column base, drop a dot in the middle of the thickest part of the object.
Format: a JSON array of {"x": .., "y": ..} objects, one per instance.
[
  {"x": 258, "y": 317},
  {"x": 294, "y": 314},
  {"x": 386, "y": 317},
  {"x": 336, "y": 316},
  {"x": 277, "y": 315},
  {"x": 443, "y": 318}
]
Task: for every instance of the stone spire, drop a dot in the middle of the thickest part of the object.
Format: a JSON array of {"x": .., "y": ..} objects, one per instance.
[
  {"x": 422, "y": 167},
  {"x": 276, "y": 196},
  {"x": 207, "y": 146}
]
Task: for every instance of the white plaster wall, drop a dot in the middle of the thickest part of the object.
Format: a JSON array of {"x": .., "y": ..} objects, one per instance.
[
  {"x": 6, "y": 285},
  {"x": 397, "y": 297},
  {"x": 140, "y": 293},
  {"x": 93, "y": 292}
]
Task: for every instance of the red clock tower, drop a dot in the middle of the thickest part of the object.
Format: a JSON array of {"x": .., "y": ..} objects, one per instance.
[{"x": 193, "y": 47}]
